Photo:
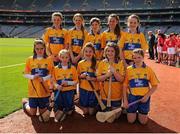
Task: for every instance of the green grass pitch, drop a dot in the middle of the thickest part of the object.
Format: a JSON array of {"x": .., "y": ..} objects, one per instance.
[{"x": 13, "y": 86}]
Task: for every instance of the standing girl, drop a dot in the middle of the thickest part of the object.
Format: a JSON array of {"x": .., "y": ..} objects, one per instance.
[
  {"x": 171, "y": 49},
  {"x": 132, "y": 39},
  {"x": 86, "y": 72},
  {"x": 110, "y": 73},
  {"x": 77, "y": 36},
  {"x": 94, "y": 37},
  {"x": 65, "y": 79},
  {"x": 160, "y": 44},
  {"x": 38, "y": 70},
  {"x": 113, "y": 33},
  {"x": 55, "y": 37},
  {"x": 140, "y": 82}
]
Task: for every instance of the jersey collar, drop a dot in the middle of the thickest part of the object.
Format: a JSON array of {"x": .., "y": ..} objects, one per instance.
[{"x": 143, "y": 65}]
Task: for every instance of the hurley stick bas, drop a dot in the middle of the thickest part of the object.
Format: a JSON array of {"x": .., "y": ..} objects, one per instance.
[{"x": 104, "y": 116}]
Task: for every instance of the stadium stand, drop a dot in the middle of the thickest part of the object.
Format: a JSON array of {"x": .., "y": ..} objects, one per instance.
[{"x": 29, "y": 18}]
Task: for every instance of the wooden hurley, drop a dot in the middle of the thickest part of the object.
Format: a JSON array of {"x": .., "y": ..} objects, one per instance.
[
  {"x": 109, "y": 93},
  {"x": 104, "y": 116},
  {"x": 103, "y": 107}
]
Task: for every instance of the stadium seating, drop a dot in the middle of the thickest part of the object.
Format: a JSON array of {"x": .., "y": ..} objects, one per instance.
[{"x": 29, "y": 18}]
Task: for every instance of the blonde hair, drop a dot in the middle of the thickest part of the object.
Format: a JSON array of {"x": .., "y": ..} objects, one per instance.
[
  {"x": 138, "y": 51},
  {"x": 57, "y": 14},
  {"x": 78, "y": 15},
  {"x": 63, "y": 51}
]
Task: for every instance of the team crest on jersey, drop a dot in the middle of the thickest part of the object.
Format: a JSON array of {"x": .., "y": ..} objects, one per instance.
[
  {"x": 138, "y": 40},
  {"x": 110, "y": 38},
  {"x": 131, "y": 40},
  {"x": 99, "y": 40},
  {"x": 70, "y": 76},
  {"x": 64, "y": 76},
  {"x": 145, "y": 76},
  {"x": 56, "y": 34},
  {"x": 33, "y": 66},
  {"x": 38, "y": 65},
  {"x": 45, "y": 65},
  {"x": 138, "y": 75}
]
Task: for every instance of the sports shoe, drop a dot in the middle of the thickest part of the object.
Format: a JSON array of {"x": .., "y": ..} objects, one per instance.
[{"x": 25, "y": 103}]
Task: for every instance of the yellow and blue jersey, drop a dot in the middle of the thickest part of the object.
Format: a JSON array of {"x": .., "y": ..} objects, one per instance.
[
  {"x": 85, "y": 67},
  {"x": 116, "y": 86},
  {"x": 76, "y": 39},
  {"x": 129, "y": 42},
  {"x": 139, "y": 80},
  {"x": 43, "y": 67},
  {"x": 108, "y": 36},
  {"x": 56, "y": 39},
  {"x": 97, "y": 41},
  {"x": 69, "y": 74}
]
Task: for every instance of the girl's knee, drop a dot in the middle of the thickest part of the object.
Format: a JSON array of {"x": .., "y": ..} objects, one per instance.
[
  {"x": 92, "y": 111},
  {"x": 131, "y": 117},
  {"x": 85, "y": 110},
  {"x": 33, "y": 111},
  {"x": 131, "y": 120},
  {"x": 143, "y": 119}
]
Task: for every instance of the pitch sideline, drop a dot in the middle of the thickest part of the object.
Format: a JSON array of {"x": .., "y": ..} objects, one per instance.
[{"x": 14, "y": 65}]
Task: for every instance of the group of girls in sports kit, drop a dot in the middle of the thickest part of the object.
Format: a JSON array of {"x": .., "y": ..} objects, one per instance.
[{"x": 70, "y": 62}]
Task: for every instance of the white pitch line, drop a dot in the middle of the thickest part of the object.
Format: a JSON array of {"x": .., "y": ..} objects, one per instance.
[{"x": 14, "y": 65}]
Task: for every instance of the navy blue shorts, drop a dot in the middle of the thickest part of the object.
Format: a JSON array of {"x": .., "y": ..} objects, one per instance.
[
  {"x": 142, "y": 108},
  {"x": 87, "y": 98},
  {"x": 64, "y": 101},
  {"x": 39, "y": 102}
]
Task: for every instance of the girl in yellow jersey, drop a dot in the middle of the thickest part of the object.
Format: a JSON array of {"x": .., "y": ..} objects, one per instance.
[
  {"x": 38, "y": 70},
  {"x": 86, "y": 72},
  {"x": 132, "y": 39},
  {"x": 55, "y": 37},
  {"x": 65, "y": 79},
  {"x": 113, "y": 33},
  {"x": 141, "y": 82},
  {"x": 111, "y": 67},
  {"x": 76, "y": 37},
  {"x": 94, "y": 36}
]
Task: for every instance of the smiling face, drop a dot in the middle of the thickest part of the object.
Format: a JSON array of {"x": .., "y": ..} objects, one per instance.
[
  {"x": 95, "y": 26},
  {"x": 138, "y": 58},
  {"x": 39, "y": 49},
  {"x": 78, "y": 21},
  {"x": 112, "y": 22},
  {"x": 64, "y": 58},
  {"x": 110, "y": 53},
  {"x": 132, "y": 23},
  {"x": 88, "y": 53},
  {"x": 57, "y": 21}
]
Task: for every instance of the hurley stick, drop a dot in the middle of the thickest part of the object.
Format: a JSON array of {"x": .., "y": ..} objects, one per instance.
[
  {"x": 103, "y": 107},
  {"x": 109, "y": 93},
  {"x": 104, "y": 116}
]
